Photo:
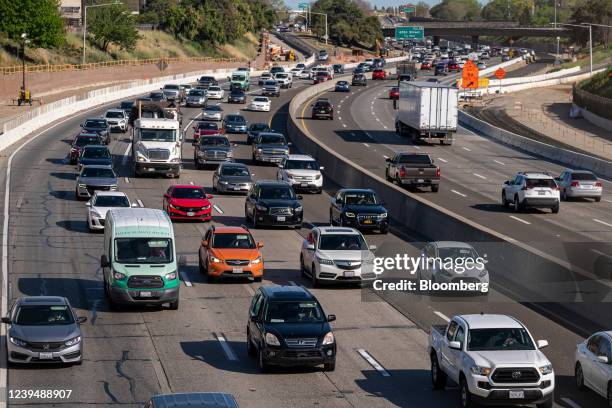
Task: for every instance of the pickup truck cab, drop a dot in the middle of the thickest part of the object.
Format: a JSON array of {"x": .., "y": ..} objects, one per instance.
[
  {"x": 414, "y": 170},
  {"x": 270, "y": 88},
  {"x": 494, "y": 359}
]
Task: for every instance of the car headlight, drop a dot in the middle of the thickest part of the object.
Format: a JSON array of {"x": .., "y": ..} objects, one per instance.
[
  {"x": 201, "y": 154},
  {"x": 81, "y": 185},
  {"x": 298, "y": 209},
  {"x": 323, "y": 261},
  {"x": 318, "y": 177},
  {"x": 259, "y": 150},
  {"x": 18, "y": 342},
  {"x": 73, "y": 341},
  {"x": 214, "y": 259},
  {"x": 175, "y": 160},
  {"x": 261, "y": 207},
  {"x": 272, "y": 340},
  {"x": 328, "y": 339},
  {"x": 172, "y": 206},
  {"x": 383, "y": 215},
  {"x": 349, "y": 214},
  {"x": 171, "y": 276},
  {"x": 223, "y": 182},
  {"x": 546, "y": 369},
  {"x": 256, "y": 261},
  {"x": 206, "y": 207},
  {"x": 230, "y": 154},
  {"x": 119, "y": 275},
  {"x": 478, "y": 370}
]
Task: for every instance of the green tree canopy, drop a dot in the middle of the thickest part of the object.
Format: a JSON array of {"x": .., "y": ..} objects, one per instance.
[
  {"x": 112, "y": 25},
  {"x": 39, "y": 19},
  {"x": 592, "y": 11},
  {"x": 457, "y": 10},
  {"x": 347, "y": 22}
]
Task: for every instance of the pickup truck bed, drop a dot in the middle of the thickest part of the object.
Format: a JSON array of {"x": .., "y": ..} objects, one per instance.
[{"x": 414, "y": 170}]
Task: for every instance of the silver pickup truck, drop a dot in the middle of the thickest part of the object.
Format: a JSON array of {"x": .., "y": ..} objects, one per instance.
[
  {"x": 270, "y": 88},
  {"x": 494, "y": 359},
  {"x": 414, "y": 170}
]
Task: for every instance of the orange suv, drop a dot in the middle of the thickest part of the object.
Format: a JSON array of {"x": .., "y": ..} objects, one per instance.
[{"x": 230, "y": 252}]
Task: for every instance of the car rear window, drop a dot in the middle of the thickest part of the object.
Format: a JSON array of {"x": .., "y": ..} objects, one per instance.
[
  {"x": 548, "y": 183},
  {"x": 415, "y": 159},
  {"x": 584, "y": 176}
]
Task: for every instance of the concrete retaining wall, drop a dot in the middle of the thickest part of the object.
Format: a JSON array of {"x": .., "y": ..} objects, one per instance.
[
  {"x": 593, "y": 118},
  {"x": 533, "y": 78}
]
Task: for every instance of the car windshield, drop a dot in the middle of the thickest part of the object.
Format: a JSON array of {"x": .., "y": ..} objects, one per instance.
[
  {"x": 272, "y": 139},
  {"x": 214, "y": 89},
  {"x": 43, "y": 315},
  {"x": 214, "y": 108},
  {"x": 260, "y": 99},
  {"x": 83, "y": 141},
  {"x": 259, "y": 127},
  {"x": 235, "y": 171},
  {"x": 499, "y": 339},
  {"x": 294, "y": 312},
  {"x": 188, "y": 192},
  {"x": 301, "y": 165},
  {"x": 114, "y": 114},
  {"x": 231, "y": 240},
  {"x": 143, "y": 250},
  {"x": 342, "y": 242},
  {"x": 158, "y": 135},
  {"x": 457, "y": 252},
  {"x": 270, "y": 83},
  {"x": 276, "y": 193},
  {"x": 342, "y": 83},
  {"x": 207, "y": 79},
  {"x": 96, "y": 153},
  {"x": 196, "y": 92},
  {"x": 126, "y": 105},
  {"x": 97, "y": 172},
  {"x": 414, "y": 159},
  {"x": 584, "y": 177},
  {"x": 235, "y": 119},
  {"x": 282, "y": 76},
  {"x": 214, "y": 141},
  {"x": 156, "y": 95},
  {"x": 208, "y": 125},
  {"x": 237, "y": 92},
  {"x": 173, "y": 87},
  {"x": 547, "y": 183},
  {"x": 95, "y": 123},
  {"x": 111, "y": 201},
  {"x": 360, "y": 198}
]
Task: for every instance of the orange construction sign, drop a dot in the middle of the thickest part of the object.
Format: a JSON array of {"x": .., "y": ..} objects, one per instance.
[
  {"x": 500, "y": 73},
  {"x": 469, "y": 76}
]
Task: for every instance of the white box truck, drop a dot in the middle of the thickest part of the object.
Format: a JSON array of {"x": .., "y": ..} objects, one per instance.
[{"x": 427, "y": 112}]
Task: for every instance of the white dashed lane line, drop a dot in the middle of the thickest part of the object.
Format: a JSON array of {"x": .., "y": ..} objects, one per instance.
[
  {"x": 365, "y": 144},
  {"x": 458, "y": 193},
  {"x": 372, "y": 361},
  {"x": 442, "y": 316},
  {"x": 226, "y": 347},
  {"x": 217, "y": 208},
  {"x": 602, "y": 222},
  {"x": 520, "y": 220},
  {"x": 442, "y": 160},
  {"x": 126, "y": 154},
  {"x": 498, "y": 162},
  {"x": 185, "y": 278},
  {"x": 479, "y": 176},
  {"x": 140, "y": 203},
  {"x": 465, "y": 148}
]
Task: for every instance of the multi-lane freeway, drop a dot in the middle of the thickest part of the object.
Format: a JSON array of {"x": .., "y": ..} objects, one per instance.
[{"x": 382, "y": 360}]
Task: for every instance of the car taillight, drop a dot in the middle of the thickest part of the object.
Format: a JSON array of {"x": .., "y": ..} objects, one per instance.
[
  {"x": 438, "y": 172},
  {"x": 402, "y": 172},
  {"x": 598, "y": 184},
  {"x": 575, "y": 184}
]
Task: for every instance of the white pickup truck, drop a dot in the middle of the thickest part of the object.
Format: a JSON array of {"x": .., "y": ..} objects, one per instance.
[{"x": 494, "y": 359}]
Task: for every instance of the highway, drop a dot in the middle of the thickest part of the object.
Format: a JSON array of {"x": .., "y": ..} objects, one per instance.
[{"x": 133, "y": 354}]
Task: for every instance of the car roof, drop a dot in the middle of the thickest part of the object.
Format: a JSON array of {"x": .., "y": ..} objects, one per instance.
[
  {"x": 194, "y": 399},
  {"x": 110, "y": 193},
  {"x": 536, "y": 174},
  {"x": 579, "y": 171},
  {"x": 286, "y": 292},
  {"x": 230, "y": 230},
  {"x": 135, "y": 221},
  {"x": 97, "y": 166},
  {"x": 325, "y": 230},
  {"x": 451, "y": 244},
  {"x": 186, "y": 186},
  {"x": 491, "y": 321},
  {"x": 44, "y": 300},
  {"x": 300, "y": 157},
  {"x": 356, "y": 190},
  {"x": 271, "y": 133},
  {"x": 95, "y": 147}
]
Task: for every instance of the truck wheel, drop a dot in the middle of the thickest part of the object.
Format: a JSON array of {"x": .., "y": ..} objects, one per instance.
[
  {"x": 579, "y": 377},
  {"x": 174, "y": 305},
  {"x": 464, "y": 394},
  {"x": 438, "y": 377},
  {"x": 435, "y": 188},
  {"x": 505, "y": 202}
]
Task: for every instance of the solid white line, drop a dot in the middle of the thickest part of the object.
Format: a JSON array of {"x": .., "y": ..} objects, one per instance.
[
  {"x": 479, "y": 176},
  {"x": 186, "y": 279},
  {"x": 226, "y": 347},
  {"x": 417, "y": 147},
  {"x": 602, "y": 222},
  {"x": 385, "y": 127},
  {"x": 126, "y": 156},
  {"x": 571, "y": 403},
  {"x": 458, "y": 193},
  {"x": 442, "y": 316},
  {"x": 498, "y": 162},
  {"x": 465, "y": 148},
  {"x": 519, "y": 220},
  {"x": 365, "y": 144},
  {"x": 609, "y": 201},
  {"x": 373, "y": 363},
  {"x": 140, "y": 203},
  {"x": 191, "y": 121},
  {"x": 217, "y": 208},
  {"x": 442, "y": 160}
]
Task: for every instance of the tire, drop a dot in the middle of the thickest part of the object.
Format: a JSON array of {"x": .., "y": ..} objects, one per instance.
[
  {"x": 504, "y": 202},
  {"x": 174, "y": 305},
  {"x": 201, "y": 266},
  {"x": 563, "y": 195},
  {"x": 435, "y": 188},
  {"x": 329, "y": 366},
  {"x": 254, "y": 219},
  {"x": 465, "y": 397},
  {"x": 302, "y": 267},
  {"x": 257, "y": 279},
  {"x": 384, "y": 230},
  {"x": 597, "y": 199},
  {"x": 438, "y": 377},
  {"x": 320, "y": 191},
  {"x": 263, "y": 365},
  {"x": 517, "y": 204},
  {"x": 387, "y": 175},
  {"x": 313, "y": 276},
  {"x": 610, "y": 395},
  {"x": 198, "y": 166},
  {"x": 251, "y": 350},
  {"x": 579, "y": 377},
  {"x": 555, "y": 209}
]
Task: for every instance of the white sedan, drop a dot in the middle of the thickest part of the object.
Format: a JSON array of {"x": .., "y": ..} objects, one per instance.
[
  {"x": 296, "y": 72},
  {"x": 100, "y": 203},
  {"x": 593, "y": 367},
  {"x": 215, "y": 92},
  {"x": 260, "y": 104}
]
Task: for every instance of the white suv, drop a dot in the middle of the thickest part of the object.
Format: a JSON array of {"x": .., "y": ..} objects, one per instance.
[
  {"x": 284, "y": 79},
  {"x": 337, "y": 255},
  {"x": 531, "y": 190},
  {"x": 302, "y": 172}
]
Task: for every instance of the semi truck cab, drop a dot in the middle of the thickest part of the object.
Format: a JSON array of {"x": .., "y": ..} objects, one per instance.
[{"x": 156, "y": 147}]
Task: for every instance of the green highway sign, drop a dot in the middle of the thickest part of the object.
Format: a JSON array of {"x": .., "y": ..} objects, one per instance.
[
  {"x": 303, "y": 5},
  {"x": 409, "y": 33},
  {"x": 409, "y": 10}
]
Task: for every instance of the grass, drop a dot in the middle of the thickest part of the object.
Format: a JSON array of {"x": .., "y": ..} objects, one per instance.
[
  {"x": 600, "y": 55},
  {"x": 600, "y": 84}
]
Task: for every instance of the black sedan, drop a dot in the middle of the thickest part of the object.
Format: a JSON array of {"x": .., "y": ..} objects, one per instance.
[
  {"x": 99, "y": 126},
  {"x": 359, "y": 80},
  {"x": 237, "y": 96},
  {"x": 338, "y": 68},
  {"x": 343, "y": 86},
  {"x": 359, "y": 208},
  {"x": 273, "y": 203}
]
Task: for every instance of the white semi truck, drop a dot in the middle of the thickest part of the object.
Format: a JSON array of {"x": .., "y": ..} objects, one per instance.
[{"x": 156, "y": 147}]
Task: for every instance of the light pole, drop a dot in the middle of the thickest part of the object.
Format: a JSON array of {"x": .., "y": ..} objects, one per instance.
[
  {"x": 590, "y": 40},
  {"x": 24, "y": 41},
  {"x": 556, "y": 16},
  {"x": 326, "y": 32},
  {"x": 85, "y": 23}
]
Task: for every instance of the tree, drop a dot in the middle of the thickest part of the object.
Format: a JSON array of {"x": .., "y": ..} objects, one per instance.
[
  {"x": 514, "y": 10},
  {"x": 457, "y": 10},
  {"x": 592, "y": 11},
  {"x": 348, "y": 23},
  {"x": 112, "y": 25},
  {"x": 39, "y": 19},
  {"x": 422, "y": 10}
]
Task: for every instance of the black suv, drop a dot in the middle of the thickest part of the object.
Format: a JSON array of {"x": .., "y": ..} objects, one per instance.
[
  {"x": 322, "y": 108},
  {"x": 254, "y": 129},
  {"x": 359, "y": 80},
  {"x": 99, "y": 126},
  {"x": 358, "y": 208},
  {"x": 273, "y": 203},
  {"x": 237, "y": 96},
  {"x": 212, "y": 150},
  {"x": 287, "y": 327}
]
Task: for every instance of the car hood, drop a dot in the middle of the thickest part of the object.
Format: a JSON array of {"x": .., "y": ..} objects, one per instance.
[
  {"x": 209, "y": 112},
  {"x": 365, "y": 209},
  {"x": 287, "y": 330},
  {"x": 103, "y": 210},
  {"x": 278, "y": 203},
  {"x": 260, "y": 102},
  {"x": 97, "y": 181},
  {"x": 97, "y": 161},
  {"x": 236, "y": 179},
  {"x": 235, "y": 253},
  {"x": 349, "y": 255},
  {"x": 302, "y": 173},
  {"x": 41, "y": 334},
  {"x": 518, "y": 358},
  {"x": 272, "y": 146},
  {"x": 190, "y": 202}
]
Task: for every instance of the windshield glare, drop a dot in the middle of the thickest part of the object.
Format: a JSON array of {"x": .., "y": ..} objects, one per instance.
[
  {"x": 97, "y": 172},
  {"x": 499, "y": 339},
  {"x": 294, "y": 312},
  {"x": 214, "y": 141},
  {"x": 236, "y": 241},
  {"x": 276, "y": 193},
  {"x": 188, "y": 193},
  {"x": 44, "y": 315},
  {"x": 143, "y": 250},
  {"x": 360, "y": 199},
  {"x": 272, "y": 139},
  {"x": 342, "y": 242},
  {"x": 301, "y": 165},
  {"x": 112, "y": 201},
  {"x": 158, "y": 135}
]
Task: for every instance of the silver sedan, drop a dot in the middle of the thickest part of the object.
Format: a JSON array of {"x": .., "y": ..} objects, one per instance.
[{"x": 579, "y": 184}]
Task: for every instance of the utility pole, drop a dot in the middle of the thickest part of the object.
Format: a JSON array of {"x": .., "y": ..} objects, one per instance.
[{"x": 590, "y": 27}]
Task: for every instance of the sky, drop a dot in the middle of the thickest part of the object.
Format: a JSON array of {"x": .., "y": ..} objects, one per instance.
[{"x": 294, "y": 3}]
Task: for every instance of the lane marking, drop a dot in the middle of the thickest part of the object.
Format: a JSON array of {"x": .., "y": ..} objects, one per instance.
[
  {"x": 442, "y": 160},
  {"x": 602, "y": 222},
  {"x": 339, "y": 117},
  {"x": 498, "y": 162},
  {"x": 442, "y": 316},
  {"x": 127, "y": 179},
  {"x": 191, "y": 121},
  {"x": 465, "y": 148},
  {"x": 373, "y": 363},
  {"x": 417, "y": 147},
  {"x": 185, "y": 278},
  {"x": 126, "y": 156},
  {"x": 479, "y": 176},
  {"x": 216, "y": 207},
  {"x": 365, "y": 144},
  {"x": 344, "y": 125},
  {"x": 571, "y": 403},
  {"x": 140, "y": 203},
  {"x": 249, "y": 289},
  {"x": 520, "y": 220},
  {"x": 226, "y": 347},
  {"x": 458, "y": 193},
  {"x": 599, "y": 252}
]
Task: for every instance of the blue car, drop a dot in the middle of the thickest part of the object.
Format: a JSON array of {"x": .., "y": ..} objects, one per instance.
[{"x": 343, "y": 86}]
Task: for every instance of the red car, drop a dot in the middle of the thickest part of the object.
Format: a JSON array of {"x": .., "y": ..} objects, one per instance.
[
  {"x": 379, "y": 74},
  {"x": 205, "y": 129},
  {"x": 187, "y": 202},
  {"x": 322, "y": 76},
  {"x": 394, "y": 93},
  {"x": 453, "y": 66},
  {"x": 426, "y": 65}
]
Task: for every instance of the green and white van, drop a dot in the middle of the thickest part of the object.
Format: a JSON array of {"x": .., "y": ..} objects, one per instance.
[
  {"x": 241, "y": 78},
  {"x": 139, "y": 258}
]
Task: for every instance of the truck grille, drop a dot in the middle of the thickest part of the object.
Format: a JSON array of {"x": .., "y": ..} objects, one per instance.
[
  {"x": 295, "y": 354},
  {"x": 215, "y": 154},
  {"x": 91, "y": 189},
  {"x": 302, "y": 342},
  {"x": 142, "y": 281},
  {"x": 237, "y": 262},
  {"x": 280, "y": 211},
  {"x": 159, "y": 154},
  {"x": 274, "y": 152},
  {"x": 515, "y": 375},
  {"x": 189, "y": 209}
]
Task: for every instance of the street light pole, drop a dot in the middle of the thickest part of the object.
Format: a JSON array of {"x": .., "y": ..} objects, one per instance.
[
  {"x": 590, "y": 41},
  {"x": 555, "y": 14},
  {"x": 85, "y": 23},
  {"x": 24, "y": 41}
]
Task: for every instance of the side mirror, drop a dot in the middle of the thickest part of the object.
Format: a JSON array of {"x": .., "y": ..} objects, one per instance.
[
  {"x": 194, "y": 143},
  {"x": 166, "y": 195},
  {"x": 260, "y": 244},
  {"x": 182, "y": 261},
  {"x": 310, "y": 247},
  {"x": 603, "y": 359},
  {"x": 134, "y": 205},
  {"x": 331, "y": 318},
  {"x": 542, "y": 343},
  {"x": 81, "y": 319},
  {"x": 300, "y": 197},
  {"x": 6, "y": 320},
  {"x": 204, "y": 243},
  {"x": 88, "y": 204},
  {"x": 104, "y": 263},
  {"x": 209, "y": 196},
  {"x": 455, "y": 345},
  {"x": 507, "y": 182},
  {"x": 321, "y": 168},
  {"x": 373, "y": 247},
  {"x": 289, "y": 143},
  {"x": 388, "y": 159}
]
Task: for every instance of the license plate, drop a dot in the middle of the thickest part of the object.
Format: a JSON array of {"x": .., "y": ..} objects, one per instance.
[
  {"x": 517, "y": 394},
  {"x": 541, "y": 193},
  {"x": 304, "y": 185},
  {"x": 190, "y": 214},
  {"x": 236, "y": 270},
  {"x": 367, "y": 221},
  {"x": 45, "y": 356},
  {"x": 236, "y": 188},
  {"x": 281, "y": 218},
  {"x": 349, "y": 274},
  {"x": 420, "y": 181},
  {"x": 151, "y": 169},
  {"x": 146, "y": 294}
]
